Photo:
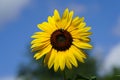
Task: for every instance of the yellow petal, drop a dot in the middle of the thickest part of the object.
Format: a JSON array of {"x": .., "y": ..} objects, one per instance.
[
  {"x": 52, "y": 58},
  {"x": 46, "y": 59},
  {"x": 68, "y": 64},
  {"x": 56, "y": 15},
  {"x": 45, "y": 27},
  {"x": 65, "y": 14},
  {"x": 64, "y": 19},
  {"x": 82, "y": 45},
  {"x": 56, "y": 62},
  {"x": 84, "y": 39},
  {"x": 40, "y": 40},
  {"x": 38, "y": 44},
  {"x": 62, "y": 59},
  {"x": 75, "y": 33},
  {"x": 37, "y": 47},
  {"x": 52, "y": 23},
  {"x": 76, "y": 24},
  {"x": 71, "y": 28},
  {"x": 40, "y": 34},
  {"x": 81, "y": 37},
  {"x": 77, "y": 53},
  {"x": 86, "y": 29},
  {"x": 43, "y": 52},
  {"x": 72, "y": 58},
  {"x": 69, "y": 20},
  {"x": 86, "y": 34},
  {"x": 82, "y": 25},
  {"x": 77, "y": 21}
]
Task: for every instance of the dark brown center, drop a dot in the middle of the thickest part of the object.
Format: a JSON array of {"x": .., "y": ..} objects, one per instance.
[{"x": 61, "y": 40}]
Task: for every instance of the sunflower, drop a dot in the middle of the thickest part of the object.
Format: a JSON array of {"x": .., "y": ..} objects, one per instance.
[{"x": 62, "y": 40}]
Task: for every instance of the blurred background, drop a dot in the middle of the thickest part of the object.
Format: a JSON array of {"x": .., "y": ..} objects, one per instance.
[{"x": 18, "y": 20}]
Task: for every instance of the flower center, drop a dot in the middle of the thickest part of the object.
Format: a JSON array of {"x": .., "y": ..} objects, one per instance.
[{"x": 61, "y": 40}]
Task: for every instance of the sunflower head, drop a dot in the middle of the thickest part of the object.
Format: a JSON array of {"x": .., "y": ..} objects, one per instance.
[{"x": 62, "y": 40}]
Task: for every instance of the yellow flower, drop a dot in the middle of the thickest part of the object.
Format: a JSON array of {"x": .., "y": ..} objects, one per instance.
[{"x": 62, "y": 40}]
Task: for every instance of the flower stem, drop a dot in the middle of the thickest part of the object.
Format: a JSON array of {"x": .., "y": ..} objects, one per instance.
[{"x": 64, "y": 73}]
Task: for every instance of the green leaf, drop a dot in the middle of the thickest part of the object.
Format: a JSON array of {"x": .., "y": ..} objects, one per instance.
[
  {"x": 93, "y": 78},
  {"x": 81, "y": 77},
  {"x": 118, "y": 75}
]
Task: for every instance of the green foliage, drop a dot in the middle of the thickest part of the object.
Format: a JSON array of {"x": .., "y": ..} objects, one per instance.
[{"x": 36, "y": 70}]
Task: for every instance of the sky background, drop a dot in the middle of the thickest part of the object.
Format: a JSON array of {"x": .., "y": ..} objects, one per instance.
[{"x": 19, "y": 19}]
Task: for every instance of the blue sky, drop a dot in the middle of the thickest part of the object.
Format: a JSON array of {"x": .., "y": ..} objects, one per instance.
[{"x": 18, "y": 20}]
